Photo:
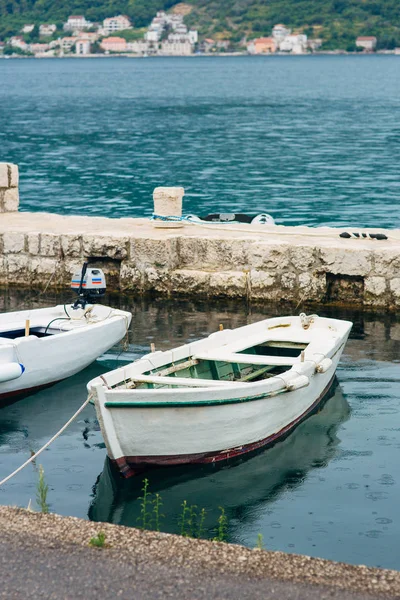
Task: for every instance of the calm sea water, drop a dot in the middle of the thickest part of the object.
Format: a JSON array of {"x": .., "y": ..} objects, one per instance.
[
  {"x": 330, "y": 489},
  {"x": 311, "y": 140}
]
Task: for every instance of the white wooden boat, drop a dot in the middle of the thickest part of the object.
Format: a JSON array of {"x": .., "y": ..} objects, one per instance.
[
  {"x": 39, "y": 347},
  {"x": 243, "y": 485},
  {"x": 229, "y": 394}
]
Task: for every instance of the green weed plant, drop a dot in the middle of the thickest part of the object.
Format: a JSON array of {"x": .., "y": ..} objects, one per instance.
[
  {"x": 98, "y": 541},
  {"x": 191, "y": 521}
]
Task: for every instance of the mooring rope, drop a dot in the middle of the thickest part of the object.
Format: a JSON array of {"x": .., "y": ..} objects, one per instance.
[
  {"x": 63, "y": 428},
  {"x": 219, "y": 226}
]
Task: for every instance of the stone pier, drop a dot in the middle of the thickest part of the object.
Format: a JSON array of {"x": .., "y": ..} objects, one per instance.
[{"x": 267, "y": 263}]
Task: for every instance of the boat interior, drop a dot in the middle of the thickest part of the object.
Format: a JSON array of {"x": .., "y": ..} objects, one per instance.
[
  {"x": 40, "y": 331},
  {"x": 222, "y": 366}
]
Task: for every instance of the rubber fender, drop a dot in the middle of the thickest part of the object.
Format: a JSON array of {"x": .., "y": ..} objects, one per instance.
[
  {"x": 297, "y": 382},
  {"x": 263, "y": 219},
  {"x": 10, "y": 371},
  {"x": 324, "y": 365}
]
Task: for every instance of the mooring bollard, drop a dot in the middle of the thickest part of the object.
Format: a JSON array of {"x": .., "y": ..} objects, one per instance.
[
  {"x": 9, "y": 198},
  {"x": 167, "y": 203}
]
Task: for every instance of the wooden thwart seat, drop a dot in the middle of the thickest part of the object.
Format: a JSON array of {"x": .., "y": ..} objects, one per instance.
[
  {"x": 178, "y": 381},
  {"x": 248, "y": 359}
]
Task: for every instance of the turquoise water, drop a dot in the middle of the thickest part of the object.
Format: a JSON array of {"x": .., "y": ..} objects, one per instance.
[
  {"x": 330, "y": 489},
  {"x": 311, "y": 140}
]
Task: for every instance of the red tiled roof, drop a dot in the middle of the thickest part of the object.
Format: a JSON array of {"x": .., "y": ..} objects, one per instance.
[
  {"x": 114, "y": 39},
  {"x": 366, "y": 38}
]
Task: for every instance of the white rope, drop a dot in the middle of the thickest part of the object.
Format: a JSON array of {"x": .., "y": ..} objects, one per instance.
[
  {"x": 63, "y": 428},
  {"x": 274, "y": 229},
  {"x": 279, "y": 230}
]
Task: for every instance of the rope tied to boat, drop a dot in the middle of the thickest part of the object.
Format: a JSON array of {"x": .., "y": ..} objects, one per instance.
[
  {"x": 47, "y": 444},
  {"x": 307, "y": 320}
]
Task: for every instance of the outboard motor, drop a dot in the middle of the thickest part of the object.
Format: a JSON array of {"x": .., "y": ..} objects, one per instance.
[{"x": 89, "y": 284}]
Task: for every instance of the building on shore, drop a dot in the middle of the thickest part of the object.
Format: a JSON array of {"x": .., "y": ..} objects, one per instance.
[
  {"x": 138, "y": 47},
  {"x": 193, "y": 36},
  {"x": 207, "y": 45},
  {"x": 77, "y": 23},
  {"x": 41, "y": 49},
  {"x": 153, "y": 34},
  {"x": 67, "y": 43},
  {"x": 118, "y": 23},
  {"x": 92, "y": 36},
  {"x": 28, "y": 28},
  {"x": 314, "y": 44},
  {"x": 279, "y": 33},
  {"x": 178, "y": 46},
  {"x": 47, "y": 29},
  {"x": 222, "y": 45},
  {"x": 17, "y": 41},
  {"x": 82, "y": 47},
  {"x": 367, "y": 42},
  {"x": 294, "y": 43},
  {"x": 282, "y": 40},
  {"x": 114, "y": 44},
  {"x": 263, "y": 45}
]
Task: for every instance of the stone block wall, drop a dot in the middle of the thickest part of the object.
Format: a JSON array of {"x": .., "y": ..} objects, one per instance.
[
  {"x": 266, "y": 270},
  {"x": 333, "y": 271},
  {"x": 9, "y": 196}
]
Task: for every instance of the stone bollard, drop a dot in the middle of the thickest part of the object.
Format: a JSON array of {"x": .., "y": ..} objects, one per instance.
[
  {"x": 9, "y": 196},
  {"x": 168, "y": 203}
]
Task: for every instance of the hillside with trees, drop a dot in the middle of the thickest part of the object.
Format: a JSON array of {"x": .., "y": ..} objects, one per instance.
[{"x": 336, "y": 22}]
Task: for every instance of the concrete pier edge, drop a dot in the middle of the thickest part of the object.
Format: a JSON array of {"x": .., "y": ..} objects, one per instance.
[{"x": 129, "y": 544}]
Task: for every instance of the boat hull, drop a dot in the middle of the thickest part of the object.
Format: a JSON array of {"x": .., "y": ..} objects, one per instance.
[
  {"x": 132, "y": 465},
  {"x": 50, "y": 359},
  {"x": 10, "y": 397}
]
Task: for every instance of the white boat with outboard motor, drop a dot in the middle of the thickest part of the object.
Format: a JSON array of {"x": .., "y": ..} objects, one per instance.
[
  {"x": 41, "y": 346},
  {"x": 231, "y": 393}
]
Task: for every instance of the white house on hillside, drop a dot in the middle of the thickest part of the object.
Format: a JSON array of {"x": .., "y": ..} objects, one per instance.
[
  {"x": 77, "y": 23},
  {"x": 138, "y": 47},
  {"x": 193, "y": 36},
  {"x": 28, "y": 28},
  {"x": 17, "y": 41},
  {"x": 368, "y": 42},
  {"x": 67, "y": 43},
  {"x": 153, "y": 34},
  {"x": 47, "y": 29},
  {"x": 82, "y": 47},
  {"x": 118, "y": 23},
  {"x": 176, "y": 47},
  {"x": 294, "y": 43},
  {"x": 280, "y": 32}
]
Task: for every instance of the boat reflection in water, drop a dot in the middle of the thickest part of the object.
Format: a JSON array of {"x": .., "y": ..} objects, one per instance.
[{"x": 241, "y": 487}]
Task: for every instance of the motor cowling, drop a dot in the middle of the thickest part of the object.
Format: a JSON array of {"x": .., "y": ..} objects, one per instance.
[{"x": 89, "y": 284}]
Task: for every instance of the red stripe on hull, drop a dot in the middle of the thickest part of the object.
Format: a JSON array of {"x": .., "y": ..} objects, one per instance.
[
  {"x": 9, "y": 397},
  {"x": 132, "y": 465}
]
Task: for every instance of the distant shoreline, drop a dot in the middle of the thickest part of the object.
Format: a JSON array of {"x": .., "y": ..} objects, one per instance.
[{"x": 214, "y": 54}]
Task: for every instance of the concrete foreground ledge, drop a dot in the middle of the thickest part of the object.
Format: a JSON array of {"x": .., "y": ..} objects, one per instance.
[
  {"x": 270, "y": 263},
  {"x": 128, "y": 549}
]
